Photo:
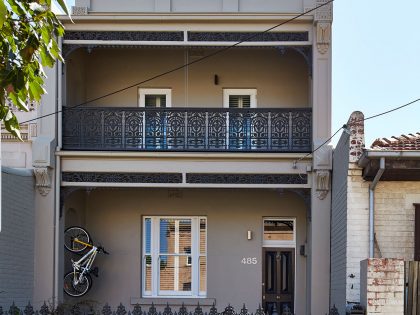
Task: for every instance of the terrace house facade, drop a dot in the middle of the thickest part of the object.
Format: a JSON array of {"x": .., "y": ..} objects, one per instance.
[{"x": 199, "y": 182}]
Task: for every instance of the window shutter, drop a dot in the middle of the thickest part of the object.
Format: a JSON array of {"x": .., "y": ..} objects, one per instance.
[{"x": 239, "y": 101}]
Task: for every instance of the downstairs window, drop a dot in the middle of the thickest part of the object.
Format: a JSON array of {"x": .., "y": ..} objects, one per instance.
[{"x": 174, "y": 256}]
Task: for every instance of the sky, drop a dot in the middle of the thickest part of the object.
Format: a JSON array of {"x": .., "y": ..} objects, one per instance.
[{"x": 376, "y": 65}]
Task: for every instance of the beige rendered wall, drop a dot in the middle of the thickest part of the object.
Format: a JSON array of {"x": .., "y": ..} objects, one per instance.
[
  {"x": 281, "y": 80},
  {"x": 114, "y": 218}
]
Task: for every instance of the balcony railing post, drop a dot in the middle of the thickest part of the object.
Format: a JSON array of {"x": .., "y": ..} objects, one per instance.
[
  {"x": 206, "y": 140},
  {"x": 290, "y": 131},
  {"x": 185, "y": 129}
]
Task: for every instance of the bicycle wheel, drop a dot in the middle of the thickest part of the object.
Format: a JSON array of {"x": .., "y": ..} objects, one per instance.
[
  {"x": 74, "y": 234},
  {"x": 81, "y": 288}
]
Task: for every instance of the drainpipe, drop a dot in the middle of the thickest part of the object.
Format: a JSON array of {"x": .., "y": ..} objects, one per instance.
[
  {"x": 372, "y": 187},
  {"x": 58, "y": 135}
]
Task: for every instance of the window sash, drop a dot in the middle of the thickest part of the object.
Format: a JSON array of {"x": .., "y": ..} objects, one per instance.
[{"x": 198, "y": 251}]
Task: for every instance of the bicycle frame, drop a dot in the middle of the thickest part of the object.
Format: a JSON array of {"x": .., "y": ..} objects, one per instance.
[{"x": 84, "y": 264}]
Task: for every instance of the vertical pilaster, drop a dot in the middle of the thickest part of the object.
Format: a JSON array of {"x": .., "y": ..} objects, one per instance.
[
  {"x": 321, "y": 196},
  {"x": 43, "y": 162},
  {"x": 321, "y": 80}
]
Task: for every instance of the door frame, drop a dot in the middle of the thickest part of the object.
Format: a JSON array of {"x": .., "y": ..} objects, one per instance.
[{"x": 280, "y": 245}]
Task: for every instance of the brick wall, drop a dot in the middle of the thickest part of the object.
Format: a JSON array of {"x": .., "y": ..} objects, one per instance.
[
  {"x": 17, "y": 237},
  {"x": 357, "y": 229},
  {"x": 382, "y": 286},
  {"x": 394, "y": 219}
]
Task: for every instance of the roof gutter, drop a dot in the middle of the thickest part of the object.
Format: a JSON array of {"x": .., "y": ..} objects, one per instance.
[{"x": 372, "y": 187}]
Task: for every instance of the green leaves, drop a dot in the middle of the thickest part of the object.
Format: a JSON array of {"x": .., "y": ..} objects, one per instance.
[
  {"x": 3, "y": 13},
  {"x": 28, "y": 41}
]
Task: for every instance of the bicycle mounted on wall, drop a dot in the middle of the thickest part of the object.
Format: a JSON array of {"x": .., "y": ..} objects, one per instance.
[{"x": 77, "y": 240}]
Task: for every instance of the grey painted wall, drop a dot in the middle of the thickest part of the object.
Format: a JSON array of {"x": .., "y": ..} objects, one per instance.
[
  {"x": 283, "y": 6},
  {"x": 17, "y": 238},
  {"x": 113, "y": 217},
  {"x": 339, "y": 223}
]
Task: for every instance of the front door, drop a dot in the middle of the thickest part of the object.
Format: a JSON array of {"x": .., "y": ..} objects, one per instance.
[{"x": 278, "y": 279}]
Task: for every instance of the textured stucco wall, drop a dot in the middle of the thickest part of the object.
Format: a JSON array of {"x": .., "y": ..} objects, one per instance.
[
  {"x": 114, "y": 218},
  {"x": 16, "y": 238}
]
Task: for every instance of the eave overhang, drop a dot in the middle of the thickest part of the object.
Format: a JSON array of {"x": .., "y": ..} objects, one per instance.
[{"x": 399, "y": 165}]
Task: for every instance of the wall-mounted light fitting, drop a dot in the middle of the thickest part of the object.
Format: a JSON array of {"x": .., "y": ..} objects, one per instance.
[
  {"x": 249, "y": 235},
  {"x": 216, "y": 79}
]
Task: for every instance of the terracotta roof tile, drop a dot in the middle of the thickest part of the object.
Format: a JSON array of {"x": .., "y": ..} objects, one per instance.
[{"x": 402, "y": 143}]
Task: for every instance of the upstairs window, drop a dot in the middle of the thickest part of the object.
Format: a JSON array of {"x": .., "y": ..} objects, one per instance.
[
  {"x": 155, "y": 98},
  {"x": 240, "y": 98}
]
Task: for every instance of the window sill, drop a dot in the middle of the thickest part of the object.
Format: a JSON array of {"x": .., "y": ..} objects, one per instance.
[{"x": 173, "y": 301}]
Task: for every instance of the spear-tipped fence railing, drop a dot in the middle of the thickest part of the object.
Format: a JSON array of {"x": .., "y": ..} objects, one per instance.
[{"x": 76, "y": 309}]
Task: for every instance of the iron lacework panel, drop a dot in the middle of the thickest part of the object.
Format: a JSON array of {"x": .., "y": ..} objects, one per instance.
[{"x": 187, "y": 129}]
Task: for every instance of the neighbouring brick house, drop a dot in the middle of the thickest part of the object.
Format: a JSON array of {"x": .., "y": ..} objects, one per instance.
[{"x": 393, "y": 198}]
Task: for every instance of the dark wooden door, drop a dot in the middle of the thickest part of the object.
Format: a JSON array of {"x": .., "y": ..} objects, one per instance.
[{"x": 278, "y": 279}]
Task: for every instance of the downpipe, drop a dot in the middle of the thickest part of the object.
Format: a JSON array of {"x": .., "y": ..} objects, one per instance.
[
  {"x": 372, "y": 187},
  {"x": 58, "y": 134}
]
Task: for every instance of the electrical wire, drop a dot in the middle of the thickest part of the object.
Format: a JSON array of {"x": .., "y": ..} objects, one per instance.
[
  {"x": 217, "y": 52},
  {"x": 345, "y": 127}
]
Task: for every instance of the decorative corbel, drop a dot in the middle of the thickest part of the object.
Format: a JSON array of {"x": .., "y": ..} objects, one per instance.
[
  {"x": 323, "y": 36},
  {"x": 322, "y": 183},
  {"x": 323, "y": 19},
  {"x": 42, "y": 180}
]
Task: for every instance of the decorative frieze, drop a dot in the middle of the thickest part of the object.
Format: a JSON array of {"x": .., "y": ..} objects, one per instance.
[
  {"x": 264, "y": 179},
  {"x": 107, "y": 177},
  {"x": 324, "y": 12},
  {"x": 124, "y": 36},
  {"x": 248, "y": 36}
]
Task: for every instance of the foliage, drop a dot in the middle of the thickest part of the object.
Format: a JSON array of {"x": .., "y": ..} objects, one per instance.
[{"x": 28, "y": 32}]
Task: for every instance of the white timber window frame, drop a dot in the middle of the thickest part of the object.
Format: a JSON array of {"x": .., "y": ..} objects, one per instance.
[
  {"x": 227, "y": 93},
  {"x": 143, "y": 92},
  {"x": 152, "y": 249},
  {"x": 280, "y": 243}
]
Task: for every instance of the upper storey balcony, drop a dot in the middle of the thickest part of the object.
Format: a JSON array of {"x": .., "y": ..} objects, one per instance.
[{"x": 248, "y": 99}]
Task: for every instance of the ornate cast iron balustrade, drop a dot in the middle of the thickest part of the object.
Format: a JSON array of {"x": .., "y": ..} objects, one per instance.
[{"x": 187, "y": 129}]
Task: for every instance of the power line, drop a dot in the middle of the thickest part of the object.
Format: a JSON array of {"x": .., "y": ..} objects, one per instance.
[
  {"x": 246, "y": 39},
  {"x": 345, "y": 126}
]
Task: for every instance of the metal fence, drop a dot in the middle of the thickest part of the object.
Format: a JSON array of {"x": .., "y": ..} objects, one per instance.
[
  {"x": 188, "y": 129},
  {"x": 79, "y": 309}
]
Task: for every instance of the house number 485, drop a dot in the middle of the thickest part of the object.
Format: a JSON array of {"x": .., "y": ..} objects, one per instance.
[{"x": 249, "y": 260}]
